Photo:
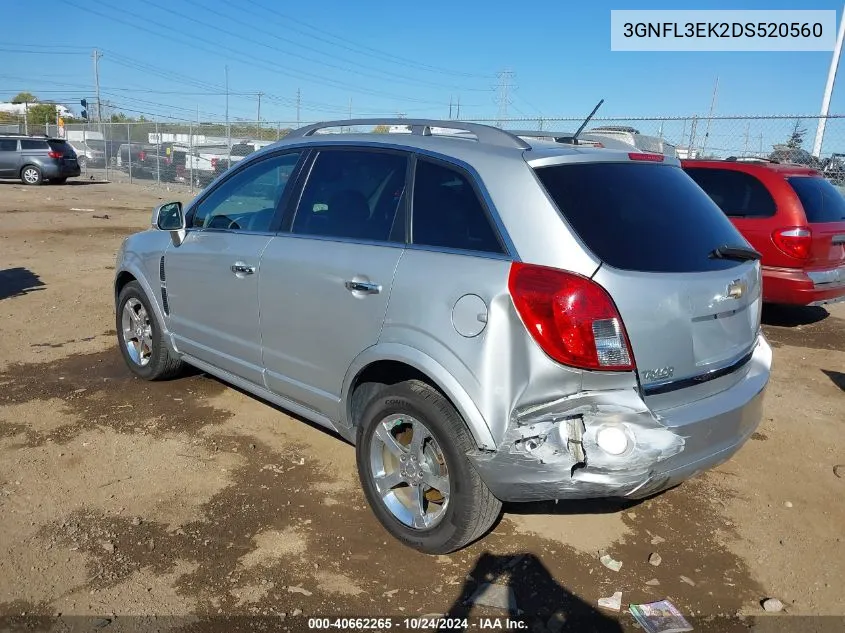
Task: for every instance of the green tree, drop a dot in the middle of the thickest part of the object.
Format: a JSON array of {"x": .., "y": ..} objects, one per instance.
[
  {"x": 381, "y": 129},
  {"x": 24, "y": 97},
  {"x": 41, "y": 113},
  {"x": 796, "y": 139}
]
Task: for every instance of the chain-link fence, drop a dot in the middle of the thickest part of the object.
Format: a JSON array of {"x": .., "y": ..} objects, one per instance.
[{"x": 191, "y": 153}]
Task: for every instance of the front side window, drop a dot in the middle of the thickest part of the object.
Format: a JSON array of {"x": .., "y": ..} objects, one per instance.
[
  {"x": 353, "y": 194},
  {"x": 248, "y": 200},
  {"x": 447, "y": 212}
]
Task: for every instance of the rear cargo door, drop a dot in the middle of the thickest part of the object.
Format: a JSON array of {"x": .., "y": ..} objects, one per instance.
[
  {"x": 824, "y": 207},
  {"x": 687, "y": 311}
]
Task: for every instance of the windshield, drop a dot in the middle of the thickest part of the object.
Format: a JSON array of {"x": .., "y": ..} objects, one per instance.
[
  {"x": 820, "y": 199},
  {"x": 643, "y": 217}
]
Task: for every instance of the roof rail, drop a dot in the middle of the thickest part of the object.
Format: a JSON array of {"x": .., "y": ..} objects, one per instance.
[
  {"x": 484, "y": 133},
  {"x": 565, "y": 136},
  {"x": 752, "y": 159}
]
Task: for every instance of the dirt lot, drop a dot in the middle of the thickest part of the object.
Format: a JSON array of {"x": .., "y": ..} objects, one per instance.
[{"x": 119, "y": 497}]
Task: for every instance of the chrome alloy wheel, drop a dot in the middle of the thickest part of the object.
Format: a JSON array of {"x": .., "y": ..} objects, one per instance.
[
  {"x": 137, "y": 332},
  {"x": 30, "y": 175},
  {"x": 409, "y": 471}
]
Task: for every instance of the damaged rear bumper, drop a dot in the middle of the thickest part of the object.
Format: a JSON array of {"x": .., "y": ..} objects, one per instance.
[{"x": 554, "y": 450}]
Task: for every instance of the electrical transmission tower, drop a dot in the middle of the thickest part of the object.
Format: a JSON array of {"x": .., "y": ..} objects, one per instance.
[{"x": 503, "y": 90}]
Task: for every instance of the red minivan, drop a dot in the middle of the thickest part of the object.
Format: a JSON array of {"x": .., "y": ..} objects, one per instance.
[{"x": 789, "y": 213}]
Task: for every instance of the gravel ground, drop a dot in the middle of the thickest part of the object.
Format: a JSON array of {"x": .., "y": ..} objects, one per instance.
[{"x": 121, "y": 500}]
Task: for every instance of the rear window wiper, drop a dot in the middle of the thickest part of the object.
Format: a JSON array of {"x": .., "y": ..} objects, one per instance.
[{"x": 741, "y": 253}]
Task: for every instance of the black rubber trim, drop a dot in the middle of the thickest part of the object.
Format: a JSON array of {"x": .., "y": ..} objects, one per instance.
[{"x": 701, "y": 378}]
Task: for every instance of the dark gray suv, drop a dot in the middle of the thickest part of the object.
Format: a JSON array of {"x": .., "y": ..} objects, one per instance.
[{"x": 37, "y": 159}]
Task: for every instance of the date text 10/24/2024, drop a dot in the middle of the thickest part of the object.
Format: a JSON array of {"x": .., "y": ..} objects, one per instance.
[{"x": 419, "y": 623}]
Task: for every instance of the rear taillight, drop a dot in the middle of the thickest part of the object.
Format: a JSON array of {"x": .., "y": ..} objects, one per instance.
[
  {"x": 142, "y": 155},
  {"x": 572, "y": 318},
  {"x": 646, "y": 156},
  {"x": 55, "y": 154},
  {"x": 214, "y": 162},
  {"x": 794, "y": 241}
]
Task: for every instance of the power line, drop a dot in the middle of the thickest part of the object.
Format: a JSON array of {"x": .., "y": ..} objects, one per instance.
[
  {"x": 28, "y": 52},
  {"x": 382, "y": 55},
  {"x": 395, "y": 76},
  {"x": 235, "y": 54}
]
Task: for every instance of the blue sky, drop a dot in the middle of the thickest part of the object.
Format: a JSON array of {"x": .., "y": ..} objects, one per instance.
[{"x": 170, "y": 61}]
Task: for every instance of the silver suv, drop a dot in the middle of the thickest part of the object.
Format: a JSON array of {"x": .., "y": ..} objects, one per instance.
[{"x": 486, "y": 319}]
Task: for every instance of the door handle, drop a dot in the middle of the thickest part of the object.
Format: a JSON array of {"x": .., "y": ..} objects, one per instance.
[
  {"x": 363, "y": 286},
  {"x": 240, "y": 268}
]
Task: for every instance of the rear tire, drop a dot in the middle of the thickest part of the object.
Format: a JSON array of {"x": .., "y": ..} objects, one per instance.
[
  {"x": 469, "y": 509},
  {"x": 31, "y": 175},
  {"x": 140, "y": 337}
]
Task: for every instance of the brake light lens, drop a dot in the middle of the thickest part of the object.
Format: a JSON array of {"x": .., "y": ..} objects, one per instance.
[
  {"x": 214, "y": 162},
  {"x": 55, "y": 154},
  {"x": 646, "y": 156},
  {"x": 142, "y": 155},
  {"x": 794, "y": 241},
  {"x": 572, "y": 318}
]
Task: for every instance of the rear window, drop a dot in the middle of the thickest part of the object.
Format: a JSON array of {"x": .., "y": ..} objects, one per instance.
[
  {"x": 643, "y": 217},
  {"x": 32, "y": 144},
  {"x": 60, "y": 146},
  {"x": 820, "y": 199},
  {"x": 738, "y": 194}
]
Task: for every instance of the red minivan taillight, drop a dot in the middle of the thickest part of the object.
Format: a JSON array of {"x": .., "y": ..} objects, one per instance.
[
  {"x": 55, "y": 154},
  {"x": 572, "y": 318},
  {"x": 214, "y": 163},
  {"x": 794, "y": 241},
  {"x": 142, "y": 155}
]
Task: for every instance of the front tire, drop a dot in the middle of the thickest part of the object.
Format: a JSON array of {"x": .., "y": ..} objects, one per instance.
[
  {"x": 411, "y": 451},
  {"x": 140, "y": 337},
  {"x": 31, "y": 175}
]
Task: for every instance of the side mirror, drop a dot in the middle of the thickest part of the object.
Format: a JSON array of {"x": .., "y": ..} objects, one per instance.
[{"x": 170, "y": 217}]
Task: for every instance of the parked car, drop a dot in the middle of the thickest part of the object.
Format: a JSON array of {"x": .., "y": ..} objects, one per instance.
[
  {"x": 165, "y": 161},
  {"x": 36, "y": 159},
  {"x": 789, "y": 213},
  {"x": 634, "y": 137},
  {"x": 209, "y": 161},
  {"x": 90, "y": 147},
  {"x": 486, "y": 320}
]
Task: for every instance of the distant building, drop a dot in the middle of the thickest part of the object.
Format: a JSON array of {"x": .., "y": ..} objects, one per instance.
[{"x": 18, "y": 108}]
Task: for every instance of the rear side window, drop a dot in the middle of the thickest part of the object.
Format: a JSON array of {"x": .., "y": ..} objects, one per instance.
[
  {"x": 738, "y": 194},
  {"x": 8, "y": 145},
  {"x": 447, "y": 212},
  {"x": 353, "y": 194},
  {"x": 643, "y": 217},
  {"x": 821, "y": 201},
  {"x": 31, "y": 144}
]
